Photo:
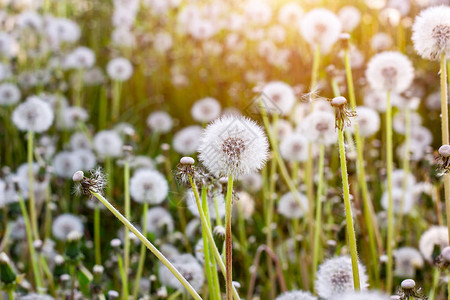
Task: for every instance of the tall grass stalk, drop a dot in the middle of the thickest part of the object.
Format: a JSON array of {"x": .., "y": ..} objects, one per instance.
[
  {"x": 32, "y": 202},
  {"x": 117, "y": 90},
  {"x": 149, "y": 245},
  {"x": 228, "y": 238},
  {"x": 368, "y": 210},
  {"x": 126, "y": 252},
  {"x": 348, "y": 211}
]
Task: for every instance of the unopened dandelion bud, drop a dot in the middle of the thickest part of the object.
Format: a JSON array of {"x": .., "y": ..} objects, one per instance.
[
  {"x": 98, "y": 269},
  {"x": 444, "y": 151},
  {"x": 7, "y": 274},
  {"x": 338, "y": 101},
  {"x": 78, "y": 176},
  {"x": 408, "y": 284},
  {"x": 153, "y": 278},
  {"x": 186, "y": 160},
  {"x": 219, "y": 231}
]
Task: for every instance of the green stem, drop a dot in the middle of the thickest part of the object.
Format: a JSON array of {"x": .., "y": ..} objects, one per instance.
[
  {"x": 117, "y": 89},
  {"x": 209, "y": 234},
  {"x": 123, "y": 276},
  {"x": 318, "y": 220},
  {"x": 206, "y": 247},
  {"x": 126, "y": 252},
  {"x": 142, "y": 253},
  {"x": 390, "y": 230},
  {"x": 31, "y": 204},
  {"x": 348, "y": 212},
  {"x": 149, "y": 245},
  {"x": 11, "y": 294},
  {"x": 228, "y": 239},
  {"x": 36, "y": 272},
  {"x": 98, "y": 256}
]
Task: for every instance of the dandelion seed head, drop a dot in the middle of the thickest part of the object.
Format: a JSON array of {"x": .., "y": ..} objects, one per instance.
[
  {"x": 407, "y": 261},
  {"x": 160, "y": 121},
  {"x": 65, "y": 224},
  {"x": 290, "y": 13},
  {"x": 434, "y": 236},
  {"x": 107, "y": 143},
  {"x": 252, "y": 181},
  {"x": 431, "y": 32},
  {"x": 319, "y": 127},
  {"x": 159, "y": 221},
  {"x": 390, "y": 71},
  {"x": 213, "y": 199},
  {"x": 187, "y": 140},
  {"x": 71, "y": 116},
  {"x": 206, "y": 110},
  {"x": 148, "y": 186},
  {"x": 9, "y": 94},
  {"x": 381, "y": 42},
  {"x": 189, "y": 268},
  {"x": 289, "y": 206},
  {"x": 294, "y": 148},
  {"x": 65, "y": 164},
  {"x": 281, "y": 97},
  {"x": 335, "y": 277},
  {"x": 402, "y": 201},
  {"x": 119, "y": 69},
  {"x": 350, "y": 17},
  {"x": 233, "y": 146},
  {"x": 321, "y": 27},
  {"x": 80, "y": 58},
  {"x": 368, "y": 121},
  {"x": 86, "y": 158},
  {"x": 33, "y": 115}
]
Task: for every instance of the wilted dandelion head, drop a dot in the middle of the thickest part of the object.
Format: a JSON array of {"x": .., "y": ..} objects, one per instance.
[
  {"x": 431, "y": 32},
  {"x": 407, "y": 261},
  {"x": 187, "y": 140},
  {"x": 435, "y": 236},
  {"x": 292, "y": 207},
  {"x": 365, "y": 295},
  {"x": 280, "y": 97},
  {"x": 233, "y": 146},
  {"x": 189, "y": 268},
  {"x": 390, "y": 71},
  {"x": 368, "y": 121},
  {"x": 159, "y": 121},
  {"x": 296, "y": 295},
  {"x": 294, "y": 147},
  {"x": 148, "y": 186},
  {"x": 33, "y": 115},
  {"x": 335, "y": 277},
  {"x": 119, "y": 69},
  {"x": 321, "y": 27},
  {"x": 319, "y": 127},
  {"x": 9, "y": 94},
  {"x": 206, "y": 110},
  {"x": 107, "y": 143},
  {"x": 64, "y": 224},
  {"x": 159, "y": 221}
]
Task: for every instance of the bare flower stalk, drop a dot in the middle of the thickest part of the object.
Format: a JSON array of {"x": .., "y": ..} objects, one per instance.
[{"x": 389, "y": 161}]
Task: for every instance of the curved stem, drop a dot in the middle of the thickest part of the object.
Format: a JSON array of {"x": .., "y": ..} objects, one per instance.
[{"x": 149, "y": 245}]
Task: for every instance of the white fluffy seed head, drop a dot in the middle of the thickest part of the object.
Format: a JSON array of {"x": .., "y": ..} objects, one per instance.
[
  {"x": 9, "y": 94},
  {"x": 107, "y": 143},
  {"x": 407, "y": 261},
  {"x": 335, "y": 277},
  {"x": 401, "y": 201},
  {"x": 148, "y": 186},
  {"x": 233, "y": 146},
  {"x": 431, "y": 32},
  {"x": 206, "y": 110},
  {"x": 390, "y": 71},
  {"x": 64, "y": 224},
  {"x": 446, "y": 254},
  {"x": 189, "y": 268},
  {"x": 213, "y": 199},
  {"x": 350, "y": 17},
  {"x": 368, "y": 121},
  {"x": 321, "y": 27},
  {"x": 119, "y": 69},
  {"x": 294, "y": 148},
  {"x": 292, "y": 207},
  {"x": 187, "y": 140},
  {"x": 159, "y": 221},
  {"x": 435, "y": 236},
  {"x": 160, "y": 121},
  {"x": 280, "y": 97},
  {"x": 319, "y": 128},
  {"x": 33, "y": 115}
]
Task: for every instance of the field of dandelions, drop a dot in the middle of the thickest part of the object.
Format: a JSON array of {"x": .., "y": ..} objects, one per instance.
[{"x": 224, "y": 149}]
